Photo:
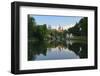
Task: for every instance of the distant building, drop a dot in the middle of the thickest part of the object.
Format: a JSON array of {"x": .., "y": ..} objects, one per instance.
[{"x": 60, "y": 29}]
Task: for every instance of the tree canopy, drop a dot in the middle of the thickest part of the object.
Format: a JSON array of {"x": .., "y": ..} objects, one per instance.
[
  {"x": 40, "y": 32},
  {"x": 80, "y": 28}
]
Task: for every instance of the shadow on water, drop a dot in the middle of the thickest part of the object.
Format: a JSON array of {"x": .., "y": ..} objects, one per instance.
[{"x": 52, "y": 50}]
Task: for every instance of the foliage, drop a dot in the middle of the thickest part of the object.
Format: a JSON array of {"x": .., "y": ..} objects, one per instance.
[
  {"x": 80, "y": 29},
  {"x": 40, "y": 32},
  {"x": 31, "y": 26},
  {"x": 36, "y": 31}
]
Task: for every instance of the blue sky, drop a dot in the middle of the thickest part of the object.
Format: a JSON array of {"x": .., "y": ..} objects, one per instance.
[{"x": 56, "y": 20}]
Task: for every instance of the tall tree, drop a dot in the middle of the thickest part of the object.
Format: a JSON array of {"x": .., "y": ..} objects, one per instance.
[
  {"x": 80, "y": 28},
  {"x": 31, "y": 26}
]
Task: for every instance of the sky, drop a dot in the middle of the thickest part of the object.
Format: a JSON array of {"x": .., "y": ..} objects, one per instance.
[{"x": 55, "y": 21}]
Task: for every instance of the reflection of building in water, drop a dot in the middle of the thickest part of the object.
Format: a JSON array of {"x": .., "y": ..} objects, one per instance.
[
  {"x": 69, "y": 42},
  {"x": 80, "y": 49},
  {"x": 60, "y": 47}
]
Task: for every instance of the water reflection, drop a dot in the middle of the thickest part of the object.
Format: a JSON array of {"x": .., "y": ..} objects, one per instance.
[{"x": 52, "y": 50}]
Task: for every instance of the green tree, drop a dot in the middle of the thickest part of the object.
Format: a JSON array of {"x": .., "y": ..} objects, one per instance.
[
  {"x": 31, "y": 26},
  {"x": 80, "y": 28},
  {"x": 84, "y": 26},
  {"x": 41, "y": 32}
]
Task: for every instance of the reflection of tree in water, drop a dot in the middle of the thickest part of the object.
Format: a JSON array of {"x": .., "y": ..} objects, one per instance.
[
  {"x": 36, "y": 48},
  {"x": 80, "y": 49}
]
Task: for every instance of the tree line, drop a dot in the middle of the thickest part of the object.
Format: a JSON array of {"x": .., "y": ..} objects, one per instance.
[
  {"x": 41, "y": 32},
  {"x": 36, "y": 31},
  {"x": 80, "y": 28}
]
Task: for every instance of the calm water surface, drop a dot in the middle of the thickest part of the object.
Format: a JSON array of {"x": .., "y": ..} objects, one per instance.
[{"x": 53, "y": 50}]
